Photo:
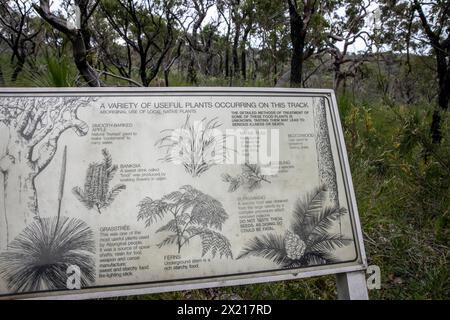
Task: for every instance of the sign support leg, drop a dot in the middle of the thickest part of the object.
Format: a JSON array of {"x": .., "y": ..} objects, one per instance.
[{"x": 352, "y": 286}]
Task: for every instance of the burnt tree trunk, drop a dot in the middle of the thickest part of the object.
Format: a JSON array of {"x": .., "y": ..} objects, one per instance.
[
  {"x": 18, "y": 68},
  {"x": 443, "y": 70},
  {"x": 235, "y": 53},
  {"x": 442, "y": 51},
  {"x": 79, "y": 38},
  {"x": 244, "y": 52},
  {"x": 80, "y": 56},
  {"x": 192, "y": 71},
  {"x": 298, "y": 35},
  {"x": 2, "y": 78}
]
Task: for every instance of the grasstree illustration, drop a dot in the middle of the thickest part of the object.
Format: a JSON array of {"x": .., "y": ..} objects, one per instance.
[
  {"x": 250, "y": 179},
  {"x": 96, "y": 193},
  {"x": 197, "y": 146},
  {"x": 309, "y": 241},
  {"x": 40, "y": 256},
  {"x": 34, "y": 126},
  {"x": 325, "y": 161},
  {"x": 192, "y": 214}
]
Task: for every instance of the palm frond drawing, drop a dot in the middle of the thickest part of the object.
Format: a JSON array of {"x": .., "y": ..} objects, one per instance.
[
  {"x": 309, "y": 241},
  {"x": 96, "y": 193},
  {"x": 192, "y": 214},
  {"x": 251, "y": 178},
  {"x": 197, "y": 146},
  {"x": 39, "y": 257}
]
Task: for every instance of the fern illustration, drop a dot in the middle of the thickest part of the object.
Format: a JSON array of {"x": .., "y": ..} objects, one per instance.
[
  {"x": 192, "y": 214},
  {"x": 96, "y": 193},
  {"x": 309, "y": 242},
  {"x": 251, "y": 178}
]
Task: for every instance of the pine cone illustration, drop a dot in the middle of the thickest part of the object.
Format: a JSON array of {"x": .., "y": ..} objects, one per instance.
[
  {"x": 295, "y": 247},
  {"x": 96, "y": 193}
]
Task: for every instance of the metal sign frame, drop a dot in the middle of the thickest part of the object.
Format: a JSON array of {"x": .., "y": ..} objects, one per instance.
[{"x": 350, "y": 276}]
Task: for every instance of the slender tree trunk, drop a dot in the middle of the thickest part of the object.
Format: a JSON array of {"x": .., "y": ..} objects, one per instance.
[
  {"x": 235, "y": 53},
  {"x": 227, "y": 61},
  {"x": 227, "y": 51},
  {"x": 192, "y": 72},
  {"x": 18, "y": 68},
  {"x": 143, "y": 71},
  {"x": 337, "y": 74},
  {"x": 244, "y": 64},
  {"x": 244, "y": 56},
  {"x": 298, "y": 35},
  {"x": 80, "y": 55},
  {"x": 166, "y": 77},
  {"x": 2, "y": 78},
  {"x": 443, "y": 98}
]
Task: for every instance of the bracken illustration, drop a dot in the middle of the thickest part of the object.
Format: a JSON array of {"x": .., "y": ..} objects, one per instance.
[
  {"x": 193, "y": 214},
  {"x": 96, "y": 193},
  {"x": 309, "y": 242}
]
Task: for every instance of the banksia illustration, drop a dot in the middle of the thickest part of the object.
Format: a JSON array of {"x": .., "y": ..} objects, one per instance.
[
  {"x": 309, "y": 241},
  {"x": 96, "y": 194},
  {"x": 251, "y": 178},
  {"x": 193, "y": 214}
]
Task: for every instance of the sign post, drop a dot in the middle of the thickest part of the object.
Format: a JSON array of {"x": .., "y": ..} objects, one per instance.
[{"x": 121, "y": 191}]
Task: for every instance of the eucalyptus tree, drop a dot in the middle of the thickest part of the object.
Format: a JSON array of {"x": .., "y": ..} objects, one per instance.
[
  {"x": 424, "y": 27},
  {"x": 193, "y": 27},
  {"x": 307, "y": 24},
  {"x": 147, "y": 27},
  {"x": 19, "y": 30},
  {"x": 79, "y": 35},
  {"x": 115, "y": 56},
  {"x": 224, "y": 9},
  {"x": 272, "y": 35},
  {"x": 243, "y": 18},
  {"x": 344, "y": 31}
]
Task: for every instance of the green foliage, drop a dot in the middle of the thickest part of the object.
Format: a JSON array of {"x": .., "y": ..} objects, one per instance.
[
  {"x": 403, "y": 200},
  {"x": 60, "y": 73},
  {"x": 96, "y": 193},
  {"x": 193, "y": 214}
]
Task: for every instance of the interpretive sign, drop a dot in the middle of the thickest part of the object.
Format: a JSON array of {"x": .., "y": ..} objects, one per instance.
[{"x": 124, "y": 191}]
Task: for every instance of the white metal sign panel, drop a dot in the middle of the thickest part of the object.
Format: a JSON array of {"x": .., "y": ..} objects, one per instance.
[{"x": 122, "y": 191}]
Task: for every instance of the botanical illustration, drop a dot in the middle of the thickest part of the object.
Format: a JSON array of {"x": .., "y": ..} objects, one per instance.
[
  {"x": 34, "y": 126},
  {"x": 309, "y": 241},
  {"x": 191, "y": 214},
  {"x": 96, "y": 193},
  {"x": 250, "y": 179},
  {"x": 325, "y": 161},
  {"x": 197, "y": 146},
  {"x": 39, "y": 257}
]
